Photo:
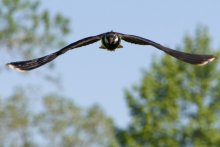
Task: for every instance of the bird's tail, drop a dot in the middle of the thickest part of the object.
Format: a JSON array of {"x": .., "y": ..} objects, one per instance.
[{"x": 31, "y": 64}]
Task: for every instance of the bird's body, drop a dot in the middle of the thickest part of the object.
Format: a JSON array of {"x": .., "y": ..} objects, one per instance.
[{"x": 111, "y": 41}]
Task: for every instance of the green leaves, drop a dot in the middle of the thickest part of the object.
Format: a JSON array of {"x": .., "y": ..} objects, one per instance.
[
  {"x": 174, "y": 103},
  {"x": 26, "y": 30},
  {"x": 58, "y": 122}
]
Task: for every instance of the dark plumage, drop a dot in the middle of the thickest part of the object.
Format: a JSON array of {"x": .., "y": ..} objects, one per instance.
[{"x": 111, "y": 41}]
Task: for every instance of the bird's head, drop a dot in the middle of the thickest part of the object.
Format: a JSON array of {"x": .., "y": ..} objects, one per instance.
[
  {"x": 111, "y": 38},
  {"x": 111, "y": 41}
]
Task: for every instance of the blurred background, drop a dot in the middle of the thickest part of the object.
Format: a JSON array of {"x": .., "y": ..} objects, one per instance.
[{"x": 136, "y": 96}]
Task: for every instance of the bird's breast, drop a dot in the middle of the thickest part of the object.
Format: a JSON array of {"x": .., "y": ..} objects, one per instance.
[{"x": 111, "y": 46}]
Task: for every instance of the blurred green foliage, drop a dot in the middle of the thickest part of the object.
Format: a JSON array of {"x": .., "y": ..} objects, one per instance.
[
  {"x": 27, "y": 30},
  {"x": 28, "y": 118},
  {"x": 176, "y": 104},
  {"x": 57, "y": 122}
]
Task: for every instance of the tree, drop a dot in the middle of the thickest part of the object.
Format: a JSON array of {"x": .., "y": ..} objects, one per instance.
[
  {"x": 176, "y": 104},
  {"x": 59, "y": 123},
  {"x": 64, "y": 124},
  {"x": 24, "y": 27},
  {"x": 15, "y": 125},
  {"x": 26, "y": 30}
]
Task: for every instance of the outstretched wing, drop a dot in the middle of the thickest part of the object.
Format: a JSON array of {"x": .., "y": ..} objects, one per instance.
[
  {"x": 32, "y": 64},
  {"x": 186, "y": 57}
]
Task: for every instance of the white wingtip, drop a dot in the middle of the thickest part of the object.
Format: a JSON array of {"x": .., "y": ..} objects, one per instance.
[
  {"x": 210, "y": 60},
  {"x": 15, "y": 68},
  {"x": 206, "y": 62}
]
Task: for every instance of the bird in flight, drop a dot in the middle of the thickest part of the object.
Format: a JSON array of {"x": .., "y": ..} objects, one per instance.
[{"x": 111, "y": 41}]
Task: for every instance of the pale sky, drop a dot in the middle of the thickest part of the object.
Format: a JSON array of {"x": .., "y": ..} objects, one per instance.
[{"x": 94, "y": 76}]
